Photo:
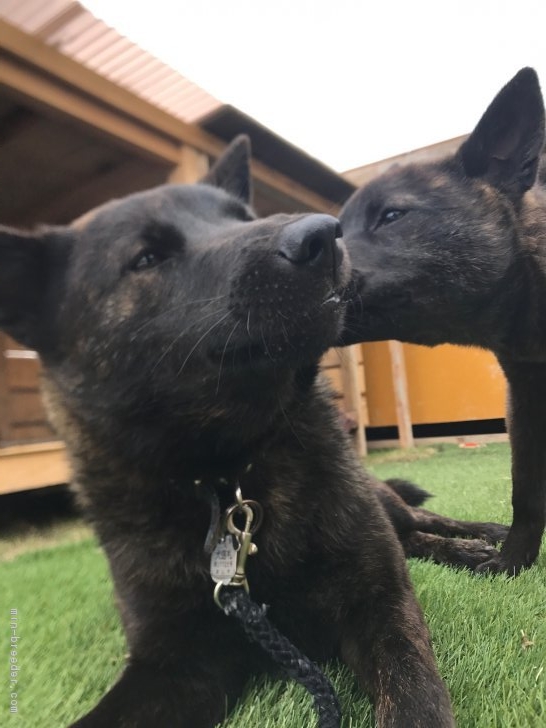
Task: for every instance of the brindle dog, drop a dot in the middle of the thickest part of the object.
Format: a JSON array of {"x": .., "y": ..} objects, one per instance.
[
  {"x": 455, "y": 251},
  {"x": 180, "y": 338}
]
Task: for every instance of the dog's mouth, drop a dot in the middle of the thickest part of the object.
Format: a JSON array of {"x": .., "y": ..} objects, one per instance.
[
  {"x": 362, "y": 296},
  {"x": 334, "y": 298},
  {"x": 279, "y": 337}
]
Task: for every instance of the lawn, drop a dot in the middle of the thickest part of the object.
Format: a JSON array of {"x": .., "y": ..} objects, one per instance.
[{"x": 489, "y": 633}]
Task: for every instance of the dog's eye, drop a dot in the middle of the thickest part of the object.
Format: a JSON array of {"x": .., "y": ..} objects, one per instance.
[
  {"x": 158, "y": 242},
  {"x": 147, "y": 259},
  {"x": 390, "y": 215}
]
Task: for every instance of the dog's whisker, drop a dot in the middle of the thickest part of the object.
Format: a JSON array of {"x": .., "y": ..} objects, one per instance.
[
  {"x": 223, "y": 355},
  {"x": 265, "y": 344},
  {"x": 248, "y": 324},
  {"x": 177, "y": 307},
  {"x": 337, "y": 351},
  {"x": 206, "y": 300},
  {"x": 200, "y": 339},
  {"x": 285, "y": 334},
  {"x": 289, "y": 423},
  {"x": 181, "y": 334}
]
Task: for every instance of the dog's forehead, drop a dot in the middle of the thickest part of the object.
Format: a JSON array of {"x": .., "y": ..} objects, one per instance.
[
  {"x": 167, "y": 203},
  {"x": 414, "y": 179},
  {"x": 408, "y": 185}
]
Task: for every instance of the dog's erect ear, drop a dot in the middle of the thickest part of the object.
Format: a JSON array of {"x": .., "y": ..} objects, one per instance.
[
  {"x": 24, "y": 264},
  {"x": 505, "y": 146},
  {"x": 231, "y": 171}
]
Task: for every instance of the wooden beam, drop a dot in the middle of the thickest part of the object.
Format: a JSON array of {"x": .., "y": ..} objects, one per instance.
[
  {"x": 35, "y": 53},
  {"x": 4, "y": 417},
  {"x": 26, "y": 83},
  {"x": 31, "y": 466},
  {"x": 192, "y": 167},
  {"x": 352, "y": 395},
  {"x": 130, "y": 176},
  {"x": 400, "y": 385},
  {"x": 44, "y": 77}
]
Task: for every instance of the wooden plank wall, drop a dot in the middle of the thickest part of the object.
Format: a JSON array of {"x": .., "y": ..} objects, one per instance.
[{"x": 22, "y": 415}]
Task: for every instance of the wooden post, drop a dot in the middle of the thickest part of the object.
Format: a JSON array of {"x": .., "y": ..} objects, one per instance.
[
  {"x": 352, "y": 395},
  {"x": 4, "y": 417},
  {"x": 400, "y": 385},
  {"x": 33, "y": 466},
  {"x": 192, "y": 167}
]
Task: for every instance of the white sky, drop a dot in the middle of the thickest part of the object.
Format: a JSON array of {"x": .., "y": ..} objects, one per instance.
[{"x": 349, "y": 82}]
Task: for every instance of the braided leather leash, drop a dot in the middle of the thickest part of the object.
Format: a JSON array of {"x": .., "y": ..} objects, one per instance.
[
  {"x": 228, "y": 560},
  {"x": 236, "y": 603}
]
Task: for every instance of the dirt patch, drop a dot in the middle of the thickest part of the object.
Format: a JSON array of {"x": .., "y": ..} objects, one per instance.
[{"x": 401, "y": 456}]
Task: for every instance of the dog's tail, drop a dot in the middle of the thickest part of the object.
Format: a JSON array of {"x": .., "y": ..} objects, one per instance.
[{"x": 410, "y": 493}]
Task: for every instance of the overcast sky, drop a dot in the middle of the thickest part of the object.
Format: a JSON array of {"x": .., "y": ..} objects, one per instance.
[{"x": 349, "y": 82}]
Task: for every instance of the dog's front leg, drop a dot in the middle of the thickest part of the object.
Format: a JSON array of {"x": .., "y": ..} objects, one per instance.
[
  {"x": 392, "y": 656},
  {"x": 149, "y": 696},
  {"x": 429, "y": 522},
  {"x": 457, "y": 552},
  {"x": 526, "y": 420}
]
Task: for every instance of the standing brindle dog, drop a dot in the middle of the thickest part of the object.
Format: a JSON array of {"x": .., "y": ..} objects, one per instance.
[
  {"x": 455, "y": 251},
  {"x": 180, "y": 340}
]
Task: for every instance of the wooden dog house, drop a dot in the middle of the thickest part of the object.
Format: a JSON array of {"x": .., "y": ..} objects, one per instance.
[{"x": 71, "y": 139}]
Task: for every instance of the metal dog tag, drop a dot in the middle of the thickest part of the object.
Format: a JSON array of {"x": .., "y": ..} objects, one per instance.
[{"x": 223, "y": 560}]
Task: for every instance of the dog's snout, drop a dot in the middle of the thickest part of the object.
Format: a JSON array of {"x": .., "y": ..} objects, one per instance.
[{"x": 312, "y": 240}]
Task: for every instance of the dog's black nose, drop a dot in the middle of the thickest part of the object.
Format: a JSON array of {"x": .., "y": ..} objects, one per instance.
[{"x": 312, "y": 240}]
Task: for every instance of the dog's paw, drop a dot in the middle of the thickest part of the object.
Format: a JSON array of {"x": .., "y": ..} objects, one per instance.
[
  {"x": 499, "y": 565},
  {"x": 471, "y": 553},
  {"x": 493, "y": 532}
]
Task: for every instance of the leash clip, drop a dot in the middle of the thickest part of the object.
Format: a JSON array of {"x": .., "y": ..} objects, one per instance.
[{"x": 251, "y": 512}]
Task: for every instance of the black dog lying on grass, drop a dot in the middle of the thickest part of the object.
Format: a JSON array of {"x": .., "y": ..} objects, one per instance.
[
  {"x": 427, "y": 535},
  {"x": 455, "y": 251},
  {"x": 180, "y": 339}
]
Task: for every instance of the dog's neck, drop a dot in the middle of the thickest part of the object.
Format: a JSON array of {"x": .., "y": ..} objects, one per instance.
[
  {"x": 525, "y": 300},
  {"x": 177, "y": 449},
  {"x": 511, "y": 321}
]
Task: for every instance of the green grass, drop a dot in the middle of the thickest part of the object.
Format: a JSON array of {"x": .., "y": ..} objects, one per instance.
[{"x": 489, "y": 633}]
